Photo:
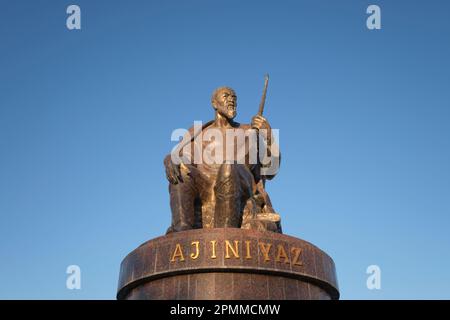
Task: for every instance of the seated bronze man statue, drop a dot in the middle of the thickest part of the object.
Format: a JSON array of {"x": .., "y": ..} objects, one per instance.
[{"x": 226, "y": 191}]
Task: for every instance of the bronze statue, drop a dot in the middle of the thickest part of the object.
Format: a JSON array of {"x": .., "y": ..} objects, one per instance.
[
  {"x": 225, "y": 239},
  {"x": 223, "y": 193}
]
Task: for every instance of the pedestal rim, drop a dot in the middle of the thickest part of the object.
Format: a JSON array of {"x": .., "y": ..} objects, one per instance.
[{"x": 326, "y": 282}]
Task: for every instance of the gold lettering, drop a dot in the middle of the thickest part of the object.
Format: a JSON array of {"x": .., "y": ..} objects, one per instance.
[
  {"x": 265, "y": 249},
  {"x": 197, "y": 251},
  {"x": 234, "y": 250},
  {"x": 247, "y": 251},
  {"x": 177, "y": 253},
  {"x": 282, "y": 254},
  {"x": 213, "y": 247},
  {"x": 296, "y": 260}
]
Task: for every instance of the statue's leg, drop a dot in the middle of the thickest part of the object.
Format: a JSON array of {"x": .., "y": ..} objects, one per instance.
[
  {"x": 231, "y": 193},
  {"x": 182, "y": 204}
]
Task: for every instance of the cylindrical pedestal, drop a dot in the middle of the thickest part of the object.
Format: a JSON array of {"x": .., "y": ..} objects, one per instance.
[{"x": 227, "y": 263}]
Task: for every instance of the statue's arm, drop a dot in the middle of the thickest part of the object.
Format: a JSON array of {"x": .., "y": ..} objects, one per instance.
[
  {"x": 270, "y": 170},
  {"x": 270, "y": 163},
  {"x": 173, "y": 172}
]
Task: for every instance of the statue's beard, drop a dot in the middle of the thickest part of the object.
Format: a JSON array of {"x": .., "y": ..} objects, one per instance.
[
  {"x": 231, "y": 111},
  {"x": 228, "y": 112}
]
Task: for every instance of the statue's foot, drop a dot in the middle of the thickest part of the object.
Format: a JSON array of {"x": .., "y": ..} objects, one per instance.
[
  {"x": 177, "y": 229},
  {"x": 265, "y": 222}
]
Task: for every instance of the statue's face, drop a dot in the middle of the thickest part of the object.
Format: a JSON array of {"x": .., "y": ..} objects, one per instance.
[{"x": 226, "y": 103}]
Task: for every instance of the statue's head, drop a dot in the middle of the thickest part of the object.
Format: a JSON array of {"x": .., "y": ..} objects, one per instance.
[{"x": 224, "y": 101}]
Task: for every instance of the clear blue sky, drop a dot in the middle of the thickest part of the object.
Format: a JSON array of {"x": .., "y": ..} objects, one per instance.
[{"x": 86, "y": 118}]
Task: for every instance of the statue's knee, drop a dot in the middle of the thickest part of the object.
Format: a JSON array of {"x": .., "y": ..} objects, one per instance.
[
  {"x": 225, "y": 171},
  {"x": 226, "y": 181}
]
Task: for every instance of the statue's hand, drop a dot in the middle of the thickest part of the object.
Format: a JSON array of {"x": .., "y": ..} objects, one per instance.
[
  {"x": 259, "y": 122},
  {"x": 173, "y": 172}
]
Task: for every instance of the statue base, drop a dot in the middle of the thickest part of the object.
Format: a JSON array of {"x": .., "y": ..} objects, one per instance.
[{"x": 227, "y": 263}]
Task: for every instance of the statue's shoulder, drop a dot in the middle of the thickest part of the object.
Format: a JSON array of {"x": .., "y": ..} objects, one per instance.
[
  {"x": 195, "y": 128},
  {"x": 191, "y": 130},
  {"x": 243, "y": 126},
  {"x": 236, "y": 125}
]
